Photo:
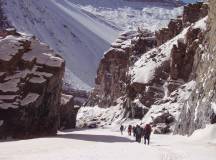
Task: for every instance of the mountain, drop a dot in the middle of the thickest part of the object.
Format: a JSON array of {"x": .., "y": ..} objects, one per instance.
[
  {"x": 162, "y": 78},
  {"x": 82, "y": 30}
]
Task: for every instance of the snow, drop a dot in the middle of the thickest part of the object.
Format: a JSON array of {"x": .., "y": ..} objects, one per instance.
[
  {"x": 37, "y": 80},
  {"x": 44, "y": 74},
  {"x": 201, "y": 24},
  {"x": 49, "y": 60},
  {"x": 8, "y": 105},
  {"x": 130, "y": 16},
  {"x": 144, "y": 69},
  {"x": 115, "y": 115},
  {"x": 65, "y": 98},
  {"x": 30, "y": 98},
  {"x": 213, "y": 105},
  {"x": 79, "y": 38},
  {"x": 10, "y": 86},
  {"x": 206, "y": 134},
  {"x": 103, "y": 144},
  {"x": 8, "y": 97},
  {"x": 18, "y": 74},
  {"x": 7, "y": 52},
  {"x": 82, "y": 30}
]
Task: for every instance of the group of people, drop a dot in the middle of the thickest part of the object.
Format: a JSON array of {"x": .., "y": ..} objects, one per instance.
[{"x": 139, "y": 132}]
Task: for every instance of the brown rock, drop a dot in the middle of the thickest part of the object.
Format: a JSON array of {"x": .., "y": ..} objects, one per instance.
[
  {"x": 30, "y": 86},
  {"x": 68, "y": 112}
]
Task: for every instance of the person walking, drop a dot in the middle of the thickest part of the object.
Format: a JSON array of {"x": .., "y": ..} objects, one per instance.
[
  {"x": 147, "y": 133},
  {"x": 138, "y": 133},
  {"x": 134, "y": 131},
  {"x": 129, "y": 130},
  {"x": 122, "y": 129}
]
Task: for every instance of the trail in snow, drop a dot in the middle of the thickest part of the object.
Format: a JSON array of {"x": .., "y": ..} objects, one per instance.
[{"x": 103, "y": 144}]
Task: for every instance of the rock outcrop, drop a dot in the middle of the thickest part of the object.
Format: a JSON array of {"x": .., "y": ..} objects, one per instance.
[
  {"x": 194, "y": 12},
  {"x": 200, "y": 109},
  {"x": 30, "y": 87},
  {"x": 68, "y": 112},
  {"x": 191, "y": 13},
  {"x": 112, "y": 79},
  {"x": 80, "y": 97},
  {"x": 174, "y": 28},
  {"x": 153, "y": 83}
]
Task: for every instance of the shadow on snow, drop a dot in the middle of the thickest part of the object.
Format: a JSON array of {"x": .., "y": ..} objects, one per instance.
[{"x": 95, "y": 138}]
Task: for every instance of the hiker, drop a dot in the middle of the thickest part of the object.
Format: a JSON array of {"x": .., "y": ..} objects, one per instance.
[
  {"x": 129, "y": 130},
  {"x": 147, "y": 133},
  {"x": 121, "y": 129},
  {"x": 134, "y": 131},
  {"x": 138, "y": 133}
]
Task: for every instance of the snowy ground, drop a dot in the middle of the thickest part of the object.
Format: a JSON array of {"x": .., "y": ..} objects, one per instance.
[{"x": 104, "y": 144}]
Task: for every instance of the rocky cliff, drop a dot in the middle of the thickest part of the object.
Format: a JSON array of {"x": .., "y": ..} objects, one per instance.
[
  {"x": 112, "y": 79},
  {"x": 153, "y": 83},
  {"x": 30, "y": 85},
  {"x": 200, "y": 109}
]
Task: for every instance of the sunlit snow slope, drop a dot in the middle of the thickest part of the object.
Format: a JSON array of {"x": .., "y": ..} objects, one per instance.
[{"x": 81, "y": 30}]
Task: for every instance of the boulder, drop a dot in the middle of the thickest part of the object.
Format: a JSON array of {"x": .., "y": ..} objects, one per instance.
[
  {"x": 68, "y": 112},
  {"x": 164, "y": 117},
  {"x": 30, "y": 85},
  {"x": 162, "y": 128}
]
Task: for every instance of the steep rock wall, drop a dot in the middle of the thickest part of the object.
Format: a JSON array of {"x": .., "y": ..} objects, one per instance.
[
  {"x": 30, "y": 85},
  {"x": 200, "y": 109},
  {"x": 112, "y": 79},
  {"x": 158, "y": 80}
]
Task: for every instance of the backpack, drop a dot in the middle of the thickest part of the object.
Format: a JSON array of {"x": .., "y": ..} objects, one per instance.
[{"x": 148, "y": 129}]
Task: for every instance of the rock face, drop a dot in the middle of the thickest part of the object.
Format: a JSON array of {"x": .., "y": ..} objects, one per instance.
[
  {"x": 153, "y": 83},
  {"x": 175, "y": 27},
  {"x": 80, "y": 97},
  {"x": 200, "y": 109},
  {"x": 4, "y": 24},
  {"x": 68, "y": 112},
  {"x": 191, "y": 13},
  {"x": 194, "y": 12},
  {"x": 30, "y": 85},
  {"x": 111, "y": 81}
]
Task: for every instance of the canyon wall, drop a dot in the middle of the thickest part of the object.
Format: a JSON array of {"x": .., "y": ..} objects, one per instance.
[{"x": 200, "y": 109}]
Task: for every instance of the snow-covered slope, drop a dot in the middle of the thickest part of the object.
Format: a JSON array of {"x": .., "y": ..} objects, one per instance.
[
  {"x": 82, "y": 30},
  {"x": 132, "y": 14},
  {"x": 103, "y": 144},
  {"x": 78, "y": 37}
]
